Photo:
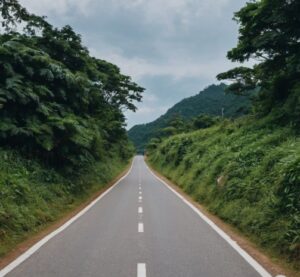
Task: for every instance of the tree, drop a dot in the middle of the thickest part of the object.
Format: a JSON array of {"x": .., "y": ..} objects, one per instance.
[
  {"x": 56, "y": 101},
  {"x": 270, "y": 34},
  {"x": 13, "y": 14},
  {"x": 204, "y": 121}
]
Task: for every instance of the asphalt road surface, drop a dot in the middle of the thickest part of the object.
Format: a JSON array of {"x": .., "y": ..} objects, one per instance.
[{"x": 139, "y": 228}]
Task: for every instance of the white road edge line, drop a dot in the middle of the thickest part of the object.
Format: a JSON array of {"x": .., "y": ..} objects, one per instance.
[
  {"x": 141, "y": 270},
  {"x": 43, "y": 241},
  {"x": 259, "y": 268},
  {"x": 141, "y": 227},
  {"x": 140, "y": 211}
]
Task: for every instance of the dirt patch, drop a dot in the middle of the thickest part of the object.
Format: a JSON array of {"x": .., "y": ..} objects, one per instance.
[
  {"x": 274, "y": 267},
  {"x": 33, "y": 239}
]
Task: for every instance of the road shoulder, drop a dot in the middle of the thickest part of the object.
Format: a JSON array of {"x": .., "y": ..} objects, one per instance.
[
  {"x": 34, "y": 238},
  {"x": 274, "y": 267}
]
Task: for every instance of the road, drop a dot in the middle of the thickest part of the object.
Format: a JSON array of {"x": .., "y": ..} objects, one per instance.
[{"x": 139, "y": 228}]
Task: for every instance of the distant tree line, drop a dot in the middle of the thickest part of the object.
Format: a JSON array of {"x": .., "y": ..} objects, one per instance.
[{"x": 191, "y": 113}]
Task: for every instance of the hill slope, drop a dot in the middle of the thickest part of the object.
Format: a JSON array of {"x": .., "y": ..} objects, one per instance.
[
  {"x": 247, "y": 172},
  {"x": 209, "y": 101}
]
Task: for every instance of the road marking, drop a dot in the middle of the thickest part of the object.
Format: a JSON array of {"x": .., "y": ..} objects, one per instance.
[
  {"x": 259, "y": 268},
  {"x": 141, "y": 227},
  {"x": 140, "y": 211},
  {"x": 140, "y": 197},
  {"x": 44, "y": 240},
  {"x": 141, "y": 270},
  {"x": 140, "y": 192}
]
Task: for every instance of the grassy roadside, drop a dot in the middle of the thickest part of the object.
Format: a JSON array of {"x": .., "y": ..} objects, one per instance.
[
  {"x": 34, "y": 197},
  {"x": 273, "y": 264},
  {"x": 247, "y": 173}
]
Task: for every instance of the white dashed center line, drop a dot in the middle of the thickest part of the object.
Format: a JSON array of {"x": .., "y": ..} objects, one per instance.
[
  {"x": 140, "y": 210},
  {"x": 140, "y": 197},
  {"x": 141, "y": 270},
  {"x": 141, "y": 227}
]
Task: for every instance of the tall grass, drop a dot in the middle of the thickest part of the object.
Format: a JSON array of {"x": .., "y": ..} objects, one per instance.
[
  {"x": 247, "y": 172},
  {"x": 33, "y": 195}
]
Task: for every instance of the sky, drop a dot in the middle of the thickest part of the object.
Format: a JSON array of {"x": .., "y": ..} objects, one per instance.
[{"x": 172, "y": 48}]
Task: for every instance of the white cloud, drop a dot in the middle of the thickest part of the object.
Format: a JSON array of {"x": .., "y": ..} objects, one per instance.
[
  {"x": 170, "y": 14},
  {"x": 147, "y": 110},
  {"x": 177, "y": 68},
  {"x": 154, "y": 11},
  {"x": 59, "y": 7},
  {"x": 172, "y": 47},
  {"x": 150, "y": 98},
  {"x": 176, "y": 63}
]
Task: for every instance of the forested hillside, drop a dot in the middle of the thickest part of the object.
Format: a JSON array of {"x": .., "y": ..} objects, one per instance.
[
  {"x": 211, "y": 101},
  {"x": 247, "y": 170},
  {"x": 62, "y": 128}
]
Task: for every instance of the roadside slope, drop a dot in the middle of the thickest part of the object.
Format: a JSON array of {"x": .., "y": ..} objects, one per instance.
[
  {"x": 34, "y": 196},
  {"x": 246, "y": 172}
]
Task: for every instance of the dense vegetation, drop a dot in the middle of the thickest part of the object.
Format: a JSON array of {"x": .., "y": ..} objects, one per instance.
[
  {"x": 211, "y": 101},
  {"x": 62, "y": 128},
  {"x": 34, "y": 195},
  {"x": 247, "y": 170},
  {"x": 56, "y": 101},
  {"x": 269, "y": 34}
]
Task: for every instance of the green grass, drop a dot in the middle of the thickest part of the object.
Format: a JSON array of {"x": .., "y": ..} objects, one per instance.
[
  {"x": 258, "y": 166},
  {"x": 33, "y": 196}
]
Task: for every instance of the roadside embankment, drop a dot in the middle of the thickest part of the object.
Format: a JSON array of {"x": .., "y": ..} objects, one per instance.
[
  {"x": 34, "y": 196},
  {"x": 247, "y": 172}
]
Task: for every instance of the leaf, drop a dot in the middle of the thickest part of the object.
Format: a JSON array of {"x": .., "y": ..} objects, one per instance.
[{"x": 47, "y": 74}]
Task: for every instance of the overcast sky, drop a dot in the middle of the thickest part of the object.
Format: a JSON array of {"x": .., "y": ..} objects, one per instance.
[{"x": 173, "y": 48}]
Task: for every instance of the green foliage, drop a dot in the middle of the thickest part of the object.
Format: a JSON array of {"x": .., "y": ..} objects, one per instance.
[
  {"x": 269, "y": 33},
  {"x": 246, "y": 171},
  {"x": 210, "y": 101},
  {"x": 62, "y": 127},
  {"x": 33, "y": 195},
  {"x": 57, "y": 102},
  {"x": 13, "y": 15},
  {"x": 204, "y": 121}
]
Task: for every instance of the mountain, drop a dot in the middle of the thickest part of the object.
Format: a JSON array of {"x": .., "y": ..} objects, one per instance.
[{"x": 211, "y": 101}]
